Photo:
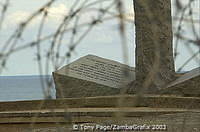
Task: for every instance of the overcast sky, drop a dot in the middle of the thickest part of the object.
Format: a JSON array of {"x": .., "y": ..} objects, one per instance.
[{"x": 103, "y": 40}]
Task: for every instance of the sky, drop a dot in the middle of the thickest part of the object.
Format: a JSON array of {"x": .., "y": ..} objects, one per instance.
[{"x": 103, "y": 40}]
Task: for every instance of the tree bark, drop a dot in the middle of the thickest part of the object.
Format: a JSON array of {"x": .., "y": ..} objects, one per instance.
[{"x": 154, "y": 49}]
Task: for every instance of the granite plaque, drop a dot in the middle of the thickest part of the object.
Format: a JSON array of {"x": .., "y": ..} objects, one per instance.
[
  {"x": 92, "y": 76},
  {"x": 188, "y": 84}
]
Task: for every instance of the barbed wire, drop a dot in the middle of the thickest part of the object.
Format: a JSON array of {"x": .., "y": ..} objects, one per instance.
[
  {"x": 4, "y": 7},
  {"x": 186, "y": 14},
  {"x": 54, "y": 56},
  {"x": 10, "y": 44},
  {"x": 71, "y": 24}
]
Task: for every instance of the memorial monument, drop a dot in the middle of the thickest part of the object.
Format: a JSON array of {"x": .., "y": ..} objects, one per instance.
[
  {"x": 154, "y": 72},
  {"x": 92, "y": 76},
  {"x": 154, "y": 52},
  {"x": 186, "y": 85}
]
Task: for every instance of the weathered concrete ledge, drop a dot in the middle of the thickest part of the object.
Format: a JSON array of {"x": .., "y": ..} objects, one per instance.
[
  {"x": 63, "y": 119},
  {"x": 177, "y": 113},
  {"x": 73, "y": 115},
  {"x": 152, "y": 101}
]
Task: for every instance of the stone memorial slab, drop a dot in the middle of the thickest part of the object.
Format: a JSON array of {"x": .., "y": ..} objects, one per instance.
[
  {"x": 92, "y": 76},
  {"x": 188, "y": 84}
]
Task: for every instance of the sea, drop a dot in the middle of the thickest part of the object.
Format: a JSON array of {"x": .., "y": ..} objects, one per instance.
[{"x": 20, "y": 88}]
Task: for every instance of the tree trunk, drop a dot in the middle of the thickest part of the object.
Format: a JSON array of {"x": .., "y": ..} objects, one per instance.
[{"x": 154, "y": 50}]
